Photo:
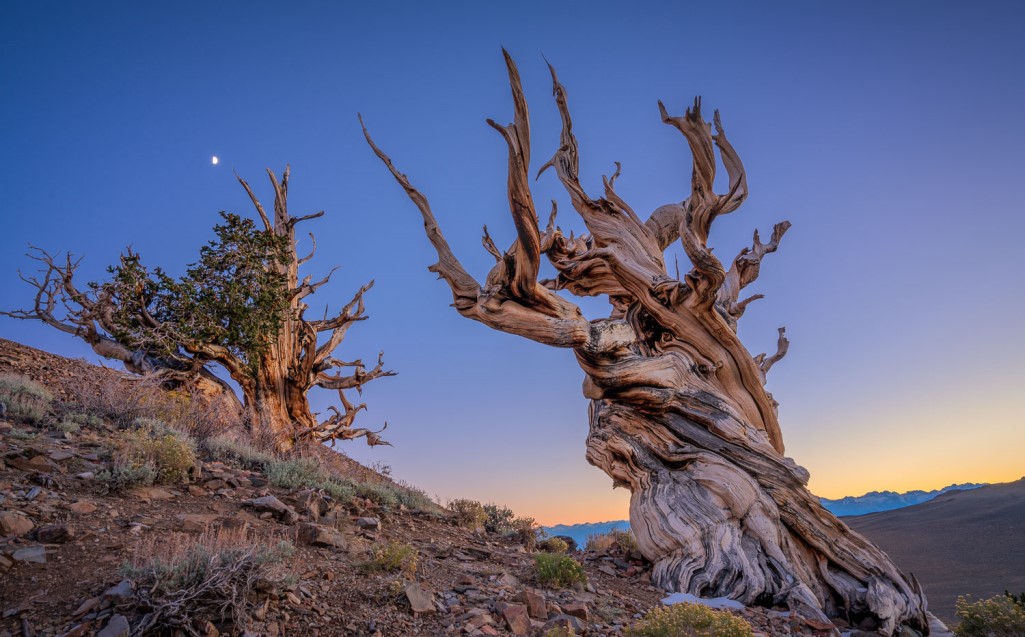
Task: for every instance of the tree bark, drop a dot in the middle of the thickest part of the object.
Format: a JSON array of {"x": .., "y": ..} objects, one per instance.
[{"x": 679, "y": 412}]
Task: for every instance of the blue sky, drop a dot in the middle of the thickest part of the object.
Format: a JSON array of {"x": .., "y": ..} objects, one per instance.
[{"x": 890, "y": 134}]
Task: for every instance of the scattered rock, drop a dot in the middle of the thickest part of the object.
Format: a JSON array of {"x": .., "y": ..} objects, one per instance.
[
  {"x": 535, "y": 603},
  {"x": 505, "y": 579},
  {"x": 319, "y": 535},
  {"x": 117, "y": 627},
  {"x": 420, "y": 600},
  {"x": 121, "y": 592},
  {"x": 270, "y": 504},
  {"x": 195, "y": 522},
  {"x": 54, "y": 534},
  {"x": 82, "y": 507},
  {"x": 579, "y": 609},
  {"x": 14, "y": 523},
  {"x": 516, "y": 617},
  {"x": 36, "y": 554},
  {"x": 369, "y": 524},
  {"x": 564, "y": 621}
]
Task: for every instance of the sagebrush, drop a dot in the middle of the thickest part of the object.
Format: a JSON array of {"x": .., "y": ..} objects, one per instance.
[
  {"x": 559, "y": 571},
  {"x": 689, "y": 620},
  {"x": 23, "y": 400},
  {"x": 999, "y": 616}
]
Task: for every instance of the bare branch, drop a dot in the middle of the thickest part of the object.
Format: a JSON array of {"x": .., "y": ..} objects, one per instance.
[
  {"x": 313, "y": 251},
  {"x": 464, "y": 287},
  {"x": 782, "y": 345},
  {"x": 256, "y": 202},
  {"x": 744, "y": 271}
]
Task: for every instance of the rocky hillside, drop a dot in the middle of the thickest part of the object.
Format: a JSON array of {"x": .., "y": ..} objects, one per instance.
[{"x": 126, "y": 510}]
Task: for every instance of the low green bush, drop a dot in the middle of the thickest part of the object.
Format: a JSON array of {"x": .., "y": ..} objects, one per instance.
[
  {"x": 147, "y": 453},
  {"x": 23, "y": 399},
  {"x": 1000, "y": 616},
  {"x": 560, "y": 571},
  {"x": 553, "y": 545},
  {"x": 468, "y": 514},
  {"x": 394, "y": 557},
  {"x": 689, "y": 620}
]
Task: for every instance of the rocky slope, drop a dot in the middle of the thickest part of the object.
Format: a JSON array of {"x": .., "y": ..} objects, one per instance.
[{"x": 357, "y": 555}]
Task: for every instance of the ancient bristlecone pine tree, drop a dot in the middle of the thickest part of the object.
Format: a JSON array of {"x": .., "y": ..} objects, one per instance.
[
  {"x": 241, "y": 306},
  {"x": 679, "y": 412}
]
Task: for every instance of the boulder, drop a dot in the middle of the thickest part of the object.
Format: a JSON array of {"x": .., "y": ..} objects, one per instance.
[
  {"x": 420, "y": 600},
  {"x": 319, "y": 535},
  {"x": 117, "y": 627},
  {"x": 36, "y": 554},
  {"x": 14, "y": 523},
  {"x": 534, "y": 602},
  {"x": 54, "y": 534},
  {"x": 516, "y": 617},
  {"x": 270, "y": 504},
  {"x": 82, "y": 507},
  {"x": 369, "y": 524}
]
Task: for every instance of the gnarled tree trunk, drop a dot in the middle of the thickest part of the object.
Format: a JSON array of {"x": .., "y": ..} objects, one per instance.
[{"x": 679, "y": 412}]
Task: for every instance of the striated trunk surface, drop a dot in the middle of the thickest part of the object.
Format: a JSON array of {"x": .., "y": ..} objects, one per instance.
[{"x": 679, "y": 411}]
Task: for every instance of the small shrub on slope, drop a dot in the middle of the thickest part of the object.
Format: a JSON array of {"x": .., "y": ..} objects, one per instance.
[
  {"x": 394, "y": 557},
  {"x": 554, "y": 545},
  {"x": 148, "y": 453},
  {"x": 1000, "y": 616},
  {"x": 468, "y": 514},
  {"x": 689, "y": 620},
  {"x": 211, "y": 577},
  {"x": 23, "y": 399},
  {"x": 559, "y": 571}
]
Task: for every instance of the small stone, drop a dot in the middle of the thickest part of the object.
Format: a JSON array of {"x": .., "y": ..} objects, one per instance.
[
  {"x": 508, "y": 580},
  {"x": 60, "y": 454},
  {"x": 87, "y": 606},
  {"x": 319, "y": 535},
  {"x": 516, "y": 617},
  {"x": 535, "y": 603},
  {"x": 420, "y": 600},
  {"x": 369, "y": 524},
  {"x": 117, "y": 627},
  {"x": 14, "y": 523},
  {"x": 195, "y": 522},
  {"x": 54, "y": 534},
  {"x": 36, "y": 554},
  {"x": 82, "y": 507},
  {"x": 270, "y": 504},
  {"x": 564, "y": 621},
  {"x": 196, "y": 491},
  {"x": 579, "y": 609},
  {"x": 122, "y": 592}
]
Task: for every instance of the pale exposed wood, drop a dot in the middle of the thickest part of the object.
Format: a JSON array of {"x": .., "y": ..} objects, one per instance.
[{"x": 679, "y": 411}]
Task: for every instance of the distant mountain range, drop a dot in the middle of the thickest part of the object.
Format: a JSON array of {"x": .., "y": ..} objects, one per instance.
[
  {"x": 851, "y": 505},
  {"x": 876, "y": 501}
]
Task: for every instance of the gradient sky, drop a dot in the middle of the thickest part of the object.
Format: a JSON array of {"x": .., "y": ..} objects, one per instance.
[{"x": 889, "y": 133}]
